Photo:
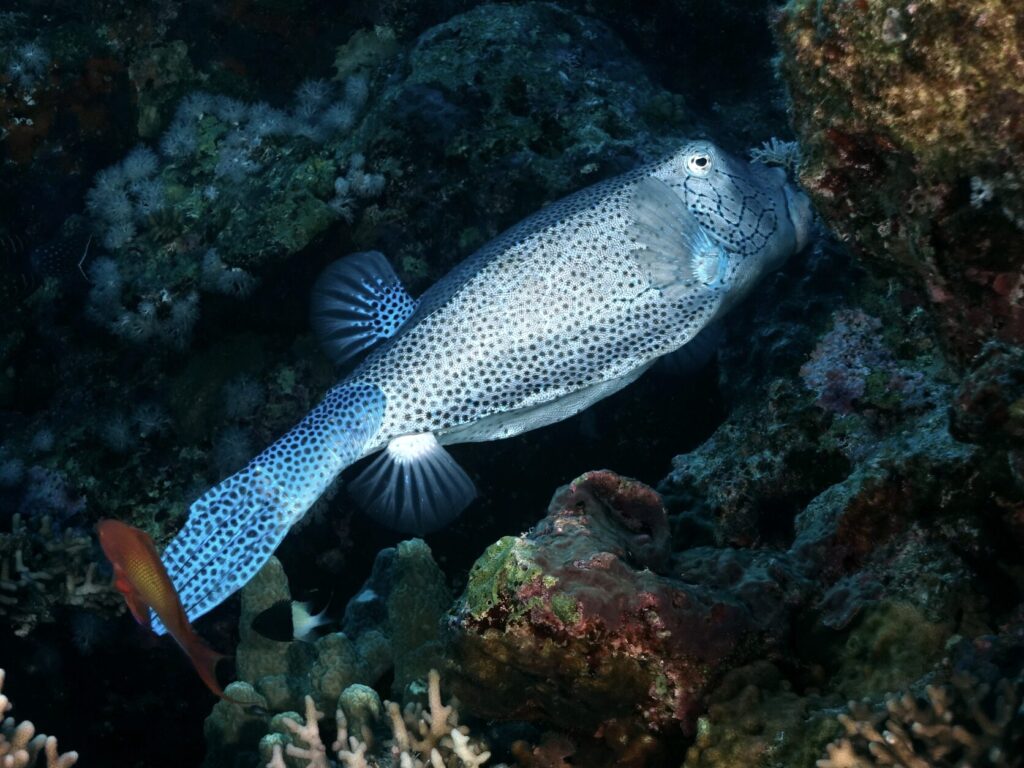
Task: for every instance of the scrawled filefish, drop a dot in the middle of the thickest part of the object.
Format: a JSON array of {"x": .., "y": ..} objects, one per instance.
[{"x": 563, "y": 309}]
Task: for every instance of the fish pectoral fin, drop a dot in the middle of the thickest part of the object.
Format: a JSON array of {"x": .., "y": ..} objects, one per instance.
[
  {"x": 675, "y": 248},
  {"x": 139, "y": 609},
  {"x": 357, "y": 302},
  {"x": 414, "y": 485}
]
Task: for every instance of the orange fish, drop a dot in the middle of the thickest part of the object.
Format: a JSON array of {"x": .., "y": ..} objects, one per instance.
[{"x": 140, "y": 576}]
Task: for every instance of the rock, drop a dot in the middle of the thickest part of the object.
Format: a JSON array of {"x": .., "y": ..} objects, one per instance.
[
  {"x": 396, "y": 616},
  {"x": 581, "y": 622},
  {"x": 988, "y": 408},
  {"x": 911, "y": 120}
]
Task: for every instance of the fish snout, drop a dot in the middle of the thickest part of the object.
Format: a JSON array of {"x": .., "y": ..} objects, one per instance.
[{"x": 801, "y": 215}]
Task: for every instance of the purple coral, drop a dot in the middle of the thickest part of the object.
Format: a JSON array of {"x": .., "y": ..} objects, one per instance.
[{"x": 846, "y": 356}]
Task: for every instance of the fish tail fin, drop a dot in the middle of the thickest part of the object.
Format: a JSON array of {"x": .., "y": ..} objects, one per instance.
[
  {"x": 235, "y": 526},
  {"x": 205, "y": 661}
]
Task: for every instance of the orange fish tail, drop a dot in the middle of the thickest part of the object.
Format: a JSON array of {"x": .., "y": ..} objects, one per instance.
[{"x": 205, "y": 659}]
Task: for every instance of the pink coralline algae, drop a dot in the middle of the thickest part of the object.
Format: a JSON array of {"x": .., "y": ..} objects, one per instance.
[{"x": 581, "y": 623}]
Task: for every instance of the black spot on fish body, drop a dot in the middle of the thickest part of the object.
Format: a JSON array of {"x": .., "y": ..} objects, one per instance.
[{"x": 275, "y": 622}]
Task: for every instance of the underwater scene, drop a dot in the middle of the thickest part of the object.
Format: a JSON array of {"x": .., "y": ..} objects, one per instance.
[{"x": 575, "y": 384}]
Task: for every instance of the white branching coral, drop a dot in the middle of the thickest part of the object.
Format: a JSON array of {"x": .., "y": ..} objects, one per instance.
[
  {"x": 785, "y": 154},
  {"x": 421, "y": 737},
  {"x": 20, "y": 745},
  {"x": 968, "y": 723},
  {"x": 314, "y": 752}
]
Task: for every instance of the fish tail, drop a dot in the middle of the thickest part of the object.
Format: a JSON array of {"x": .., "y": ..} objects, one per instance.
[
  {"x": 235, "y": 526},
  {"x": 205, "y": 660}
]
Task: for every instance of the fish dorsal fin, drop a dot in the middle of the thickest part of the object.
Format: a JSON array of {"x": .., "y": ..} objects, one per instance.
[
  {"x": 675, "y": 250},
  {"x": 414, "y": 485},
  {"x": 357, "y": 302}
]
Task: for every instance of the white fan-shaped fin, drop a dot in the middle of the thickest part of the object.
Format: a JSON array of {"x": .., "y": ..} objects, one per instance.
[
  {"x": 414, "y": 485},
  {"x": 357, "y": 302}
]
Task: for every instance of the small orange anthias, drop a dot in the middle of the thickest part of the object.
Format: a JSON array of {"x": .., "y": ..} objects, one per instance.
[{"x": 140, "y": 576}]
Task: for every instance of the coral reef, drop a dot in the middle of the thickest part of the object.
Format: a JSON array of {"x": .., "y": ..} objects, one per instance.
[
  {"x": 908, "y": 115},
  {"x": 392, "y": 625},
  {"x": 844, "y": 520},
  {"x": 963, "y": 723},
  {"x": 989, "y": 405},
  {"x": 218, "y": 155},
  {"x": 857, "y": 456},
  {"x": 20, "y": 745},
  {"x": 43, "y": 567},
  {"x": 529, "y": 101},
  {"x": 851, "y": 360},
  {"x": 420, "y": 737},
  {"x": 574, "y": 623}
]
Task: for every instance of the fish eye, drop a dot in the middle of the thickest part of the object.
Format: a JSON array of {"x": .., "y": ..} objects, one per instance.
[{"x": 699, "y": 163}]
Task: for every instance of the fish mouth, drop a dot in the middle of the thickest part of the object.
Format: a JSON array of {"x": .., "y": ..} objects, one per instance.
[{"x": 801, "y": 214}]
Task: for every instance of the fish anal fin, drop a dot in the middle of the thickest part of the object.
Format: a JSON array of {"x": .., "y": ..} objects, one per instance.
[
  {"x": 357, "y": 302},
  {"x": 674, "y": 248},
  {"x": 414, "y": 485}
]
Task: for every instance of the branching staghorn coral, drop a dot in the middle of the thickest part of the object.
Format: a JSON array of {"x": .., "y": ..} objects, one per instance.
[
  {"x": 20, "y": 745},
  {"x": 968, "y": 723},
  {"x": 428, "y": 737}
]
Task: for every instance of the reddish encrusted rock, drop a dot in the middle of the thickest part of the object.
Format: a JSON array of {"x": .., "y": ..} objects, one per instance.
[
  {"x": 989, "y": 405},
  {"x": 580, "y": 624},
  {"x": 911, "y": 121}
]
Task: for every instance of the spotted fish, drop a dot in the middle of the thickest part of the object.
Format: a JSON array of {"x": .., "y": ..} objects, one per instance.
[
  {"x": 560, "y": 311},
  {"x": 24, "y": 268}
]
